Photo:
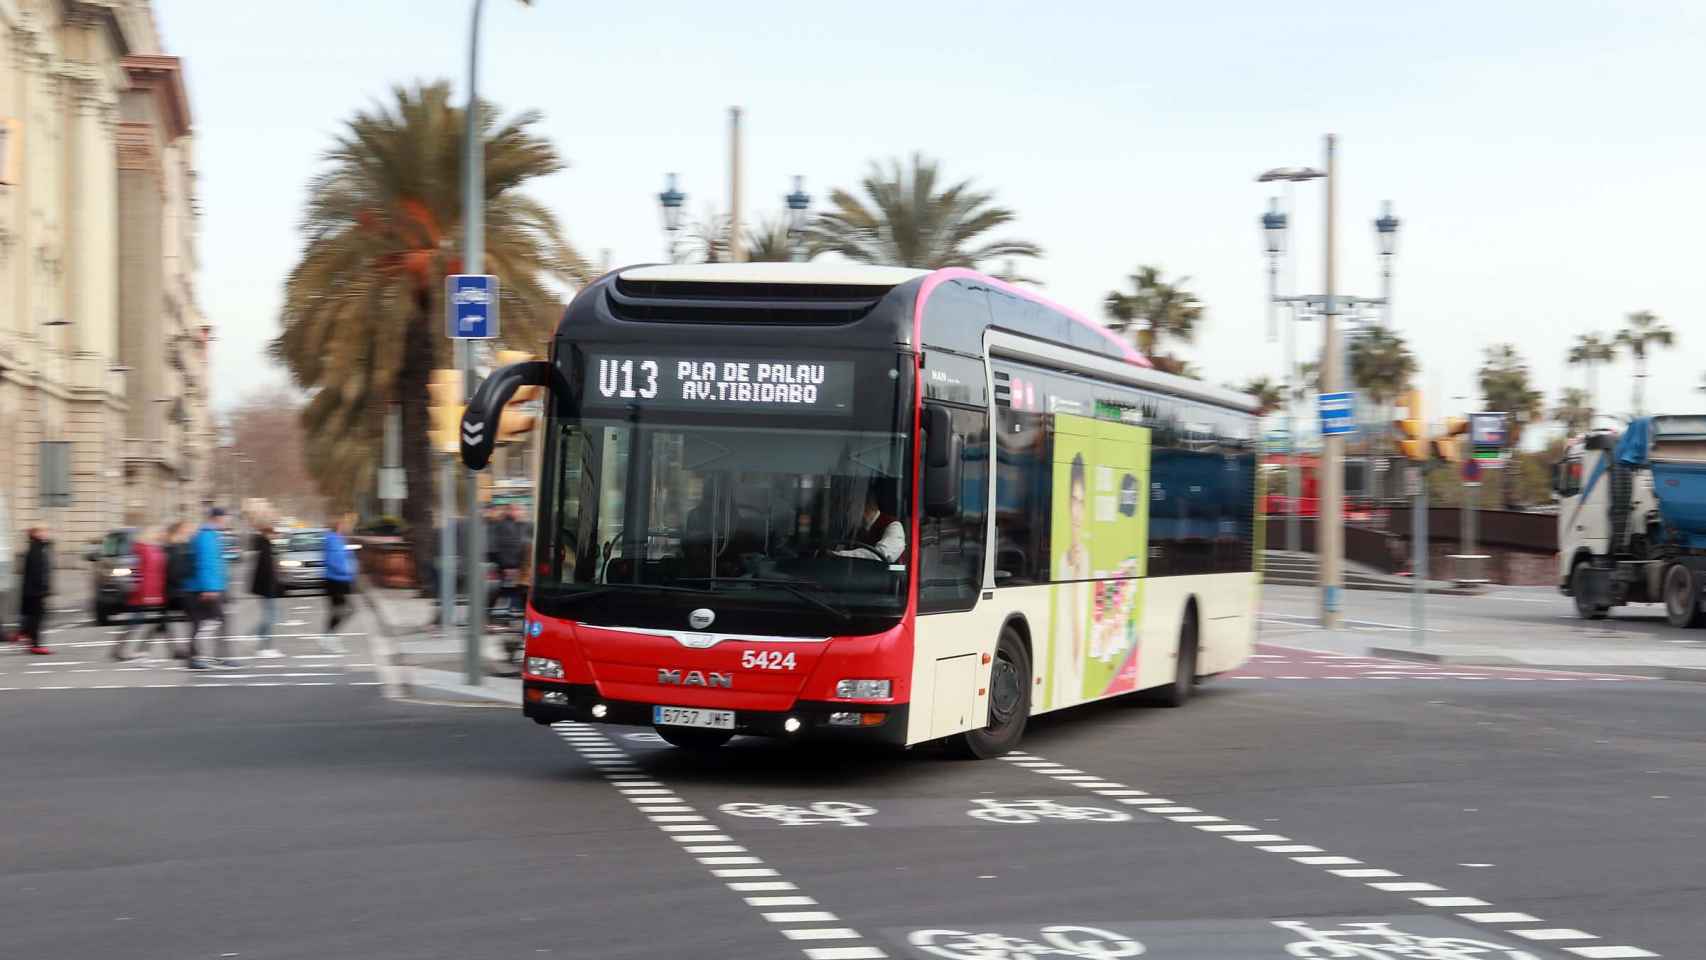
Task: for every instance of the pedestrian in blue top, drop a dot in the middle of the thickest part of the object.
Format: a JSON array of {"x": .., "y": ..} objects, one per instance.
[
  {"x": 340, "y": 576},
  {"x": 206, "y": 587}
]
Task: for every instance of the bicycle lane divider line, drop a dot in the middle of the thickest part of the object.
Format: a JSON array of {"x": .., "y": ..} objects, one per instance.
[
  {"x": 1517, "y": 924},
  {"x": 820, "y": 934}
]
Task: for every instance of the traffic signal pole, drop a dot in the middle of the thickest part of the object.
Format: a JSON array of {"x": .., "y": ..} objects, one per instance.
[{"x": 1419, "y": 557}]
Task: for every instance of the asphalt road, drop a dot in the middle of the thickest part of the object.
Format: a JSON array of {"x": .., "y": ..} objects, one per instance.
[{"x": 1548, "y": 818}]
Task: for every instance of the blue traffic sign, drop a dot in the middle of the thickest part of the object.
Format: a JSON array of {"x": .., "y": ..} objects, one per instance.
[
  {"x": 471, "y": 306},
  {"x": 1338, "y": 414}
]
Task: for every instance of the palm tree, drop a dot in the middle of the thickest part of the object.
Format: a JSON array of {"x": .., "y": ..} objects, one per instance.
[
  {"x": 359, "y": 321},
  {"x": 910, "y": 220},
  {"x": 1590, "y": 352},
  {"x": 1381, "y": 366},
  {"x": 771, "y": 241},
  {"x": 1643, "y": 329},
  {"x": 1270, "y": 396},
  {"x": 1154, "y": 310},
  {"x": 1505, "y": 386},
  {"x": 1574, "y": 411}
]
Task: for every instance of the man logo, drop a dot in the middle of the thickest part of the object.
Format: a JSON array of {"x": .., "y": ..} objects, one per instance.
[
  {"x": 701, "y": 618},
  {"x": 696, "y": 678}
]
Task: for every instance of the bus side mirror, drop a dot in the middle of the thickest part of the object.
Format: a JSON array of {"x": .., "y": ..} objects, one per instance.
[
  {"x": 941, "y": 463},
  {"x": 479, "y": 427}
]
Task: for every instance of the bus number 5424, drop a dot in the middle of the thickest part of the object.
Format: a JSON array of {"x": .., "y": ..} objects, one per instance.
[{"x": 766, "y": 660}]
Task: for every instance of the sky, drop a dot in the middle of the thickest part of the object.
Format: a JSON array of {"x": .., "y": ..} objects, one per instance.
[{"x": 1544, "y": 157}]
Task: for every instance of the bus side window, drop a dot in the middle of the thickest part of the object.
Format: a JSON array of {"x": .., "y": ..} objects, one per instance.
[
  {"x": 950, "y": 549},
  {"x": 1022, "y": 481}
]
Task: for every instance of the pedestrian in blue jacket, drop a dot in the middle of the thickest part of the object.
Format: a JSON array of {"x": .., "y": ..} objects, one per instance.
[
  {"x": 340, "y": 576},
  {"x": 206, "y": 588}
]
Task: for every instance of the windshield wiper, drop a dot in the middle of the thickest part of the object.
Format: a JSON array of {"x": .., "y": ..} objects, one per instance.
[{"x": 792, "y": 586}]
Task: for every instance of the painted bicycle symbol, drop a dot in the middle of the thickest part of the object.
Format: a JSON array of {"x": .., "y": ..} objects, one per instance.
[
  {"x": 645, "y": 737},
  {"x": 1083, "y": 943},
  {"x": 1378, "y": 941},
  {"x": 824, "y": 811},
  {"x": 1036, "y": 811}
]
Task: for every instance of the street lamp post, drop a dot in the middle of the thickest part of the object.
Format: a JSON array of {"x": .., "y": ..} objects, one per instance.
[
  {"x": 1331, "y": 536},
  {"x": 797, "y": 202},
  {"x": 1274, "y": 226},
  {"x": 1386, "y": 232},
  {"x": 669, "y": 202},
  {"x": 1273, "y": 232},
  {"x": 1330, "y": 512}
]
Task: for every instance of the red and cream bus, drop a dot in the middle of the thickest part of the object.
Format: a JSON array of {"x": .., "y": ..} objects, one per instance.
[{"x": 802, "y": 499}]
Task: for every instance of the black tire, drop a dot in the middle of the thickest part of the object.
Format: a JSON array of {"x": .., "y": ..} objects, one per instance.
[
  {"x": 1176, "y": 694},
  {"x": 1578, "y": 591},
  {"x": 1682, "y": 597},
  {"x": 103, "y": 615},
  {"x": 693, "y": 738},
  {"x": 1009, "y": 703}
]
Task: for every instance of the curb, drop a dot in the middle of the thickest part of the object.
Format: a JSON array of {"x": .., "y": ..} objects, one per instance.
[
  {"x": 449, "y": 684},
  {"x": 1438, "y": 591},
  {"x": 1682, "y": 674}
]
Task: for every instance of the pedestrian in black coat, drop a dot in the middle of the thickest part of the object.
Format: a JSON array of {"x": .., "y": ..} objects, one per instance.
[{"x": 34, "y": 587}]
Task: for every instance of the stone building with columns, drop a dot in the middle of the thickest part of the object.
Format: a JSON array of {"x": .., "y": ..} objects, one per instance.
[{"x": 103, "y": 349}]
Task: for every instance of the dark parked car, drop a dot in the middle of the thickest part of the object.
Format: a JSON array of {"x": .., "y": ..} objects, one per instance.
[
  {"x": 114, "y": 571},
  {"x": 302, "y": 560}
]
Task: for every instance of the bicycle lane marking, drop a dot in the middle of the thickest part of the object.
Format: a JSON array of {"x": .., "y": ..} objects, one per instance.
[
  {"x": 798, "y": 917},
  {"x": 1433, "y": 896}
]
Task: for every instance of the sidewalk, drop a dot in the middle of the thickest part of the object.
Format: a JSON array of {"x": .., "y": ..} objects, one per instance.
[
  {"x": 428, "y": 661},
  {"x": 1534, "y": 630}
]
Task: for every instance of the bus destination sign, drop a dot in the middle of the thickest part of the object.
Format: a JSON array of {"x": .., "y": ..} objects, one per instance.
[{"x": 684, "y": 383}]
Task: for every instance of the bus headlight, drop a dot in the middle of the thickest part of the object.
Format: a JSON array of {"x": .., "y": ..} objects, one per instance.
[
  {"x": 864, "y": 689},
  {"x": 545, "y": 667}
]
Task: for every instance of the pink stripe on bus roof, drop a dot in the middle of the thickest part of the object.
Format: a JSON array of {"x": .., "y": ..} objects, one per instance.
[{"x": 938, "y": 277}]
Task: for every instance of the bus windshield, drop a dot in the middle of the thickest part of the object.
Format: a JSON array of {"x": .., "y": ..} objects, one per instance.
[{"x": 797, "y": 517}]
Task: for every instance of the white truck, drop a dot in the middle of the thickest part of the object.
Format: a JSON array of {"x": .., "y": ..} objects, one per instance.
[{"x": 1632, "y": 518}]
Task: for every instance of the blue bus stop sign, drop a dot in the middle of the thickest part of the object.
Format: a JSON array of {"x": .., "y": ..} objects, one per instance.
[
  {"x": 1338, "y": 414},
  {"x": 471, "y": 306}
]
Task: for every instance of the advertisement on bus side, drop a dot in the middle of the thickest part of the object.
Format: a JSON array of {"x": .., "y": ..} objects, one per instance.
[{"x": 1098, "y": 533}]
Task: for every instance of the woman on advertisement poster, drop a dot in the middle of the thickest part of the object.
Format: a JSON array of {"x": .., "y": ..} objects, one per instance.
[{"x": 1072, "y": 599}]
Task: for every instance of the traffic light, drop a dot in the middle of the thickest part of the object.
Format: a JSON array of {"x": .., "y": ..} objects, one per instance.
[
  {"x": 1448, "y": 446},
  {"x": 515, "y": 423},
  {"x": 1412, "y": 428},
  {"x": 444, "y": 409}
]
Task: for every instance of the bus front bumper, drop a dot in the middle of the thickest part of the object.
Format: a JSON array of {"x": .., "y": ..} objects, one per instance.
[{"x": 547, "y": 702}]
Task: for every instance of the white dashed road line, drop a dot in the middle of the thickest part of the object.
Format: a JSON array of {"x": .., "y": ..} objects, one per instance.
[
  {"x": 1516, "y": 924},
  {"x": 762, "y": 887}
]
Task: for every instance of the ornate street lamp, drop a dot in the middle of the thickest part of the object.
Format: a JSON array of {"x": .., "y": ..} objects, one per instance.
[
  {"x": 797, "y": 203},
  {"x": 670, "y": 201},
  {"x": 1386, "y": 232}
]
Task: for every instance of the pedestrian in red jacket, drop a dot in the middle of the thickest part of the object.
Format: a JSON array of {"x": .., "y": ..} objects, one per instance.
[{"x": 147, "y": 599}]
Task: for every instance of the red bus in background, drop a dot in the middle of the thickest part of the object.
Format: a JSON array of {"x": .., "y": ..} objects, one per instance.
[{"x": 1365, "y": 486}]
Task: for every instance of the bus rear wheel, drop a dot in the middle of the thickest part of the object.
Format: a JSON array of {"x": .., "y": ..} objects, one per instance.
[
  {"x": 1009, "y": 702},
  {"x": 1175, "y": 694},
  {"x": 1682, "y": 597},
  {"x": 693, "y": 738}
]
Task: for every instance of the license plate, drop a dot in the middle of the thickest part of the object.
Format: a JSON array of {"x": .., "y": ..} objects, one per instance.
[{"x": 694, "y": 717}]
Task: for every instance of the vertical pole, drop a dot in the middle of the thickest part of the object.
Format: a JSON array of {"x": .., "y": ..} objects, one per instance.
[
  {"x": 1419, "y": 555},
  {"x": 473, "y": 261},
  {"x": 1330, "y": 536},
  {"x": 1293, "y": 474},
  {"x": 447, "y": 547},
  {"x": 737, "y": 250}
]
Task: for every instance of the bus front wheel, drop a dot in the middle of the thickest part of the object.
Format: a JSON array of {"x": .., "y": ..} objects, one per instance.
[{"x": 1009, "y": 702}]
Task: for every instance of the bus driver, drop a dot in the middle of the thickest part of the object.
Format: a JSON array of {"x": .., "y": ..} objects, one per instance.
[{"x": 880, "y": 534}]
